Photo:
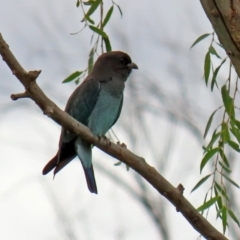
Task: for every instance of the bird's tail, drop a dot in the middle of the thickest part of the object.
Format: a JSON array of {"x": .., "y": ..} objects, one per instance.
[
  {"x": 89, "y": 174},
  {"x": 65, "y": 154},
  {"x": 84, "y": 152},
  {"x": 50, "y": 165}
]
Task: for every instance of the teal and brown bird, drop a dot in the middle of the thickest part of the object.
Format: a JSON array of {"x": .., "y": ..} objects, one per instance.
[{"x": 97, "y": 104}]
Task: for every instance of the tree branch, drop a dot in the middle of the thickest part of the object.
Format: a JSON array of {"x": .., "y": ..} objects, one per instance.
[
  {"x": 224, "y": 17},
  {"x": 174, "y": 195},
  {"x": 19, "y": 95}
]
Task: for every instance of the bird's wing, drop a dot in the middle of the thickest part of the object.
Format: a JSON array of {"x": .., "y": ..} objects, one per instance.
[
  {"x": 79, "y": 106},
  {"x": 83, "y": 100}
]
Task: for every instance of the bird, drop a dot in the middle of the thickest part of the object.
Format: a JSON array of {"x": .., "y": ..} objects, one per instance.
[{"x": 96, "y": 103}]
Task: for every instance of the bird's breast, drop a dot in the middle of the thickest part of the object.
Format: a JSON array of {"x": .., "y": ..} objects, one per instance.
[
  {"x": 115, "y": 86},
  {"x": 105, "y": 112}
]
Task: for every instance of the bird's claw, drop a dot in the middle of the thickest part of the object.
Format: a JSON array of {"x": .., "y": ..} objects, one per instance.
[
  {"x": 123, "y": 145},
  {"x": 107, "y": 140}
]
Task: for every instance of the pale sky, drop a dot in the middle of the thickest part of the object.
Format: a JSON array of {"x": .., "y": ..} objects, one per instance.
[{"x": 157, "y": 36}]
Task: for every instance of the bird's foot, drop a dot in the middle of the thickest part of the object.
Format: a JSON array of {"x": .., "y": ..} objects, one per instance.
[
  {"x": 107, "y": 140},
  {"x": 123, "y": 145}
]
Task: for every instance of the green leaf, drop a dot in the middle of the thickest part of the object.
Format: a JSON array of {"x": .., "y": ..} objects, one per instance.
[
  {"x": 236, "y": 133},
  {"x": 225, "y": 96},
  {"x": 90, "y": 60},
  {"x": 207, "y": 67},
  {"x": 88, "y": 19},
  {"x": 213, "y": 51},
  {"x": 94, "y": 5},
  {"x": 225, "y": 133},
  {"x": 220, "y": 190},
  {"x": 224, "y": 167},
  {"x": 216, "y": 73},
  {"x": 234, "y": 145},
  {"x": 89, "y": 2},
  {"x": 228, "y": 102},
  {"x": 224, "y": 158},
  {"x": 78, "y": 3},
  {"x": 77, "y": 81},
  {"x": 199, "y": 39},
  {"x": 204, "y": 179},
  {"x": 224, "y": 218},
  {"x": 219, "y": 211},
  {"x": 215, "y": 136},
  {"x": 92, "y": 9},
  {"x": 118, "y": 163},
  {"x": 234, "y": 218},
  {"x": 108, "y": 15},
  {"x": 98, "y": 31},
  {"x": 72, "y": 77},
  {"x": 107, "y": 44},
  {"x": 120, "y": 10},
  {"x": 209, "y": 123},
  {"x": 205, "y": 199},
  {"x": 219, "y": 201},
  {"x": 233, "y": 123},
  {"x": 215, "y": 190},
  {"x": 219, "y": 44},
  {"x": 230, "y": 180},
  {"x": 207, "y": 204},
  {"x": 237, "y": 123},
  {"x": 207, "y": 157}
]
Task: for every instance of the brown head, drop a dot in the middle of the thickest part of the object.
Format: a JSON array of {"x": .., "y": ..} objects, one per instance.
[{"x": 113, "y": 64}]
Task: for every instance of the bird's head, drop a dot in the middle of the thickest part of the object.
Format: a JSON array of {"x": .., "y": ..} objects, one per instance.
[{"x": 114, "y": 64}]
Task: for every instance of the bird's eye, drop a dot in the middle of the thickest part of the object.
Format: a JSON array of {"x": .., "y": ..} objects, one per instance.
[{"x": 123, "y": 60}]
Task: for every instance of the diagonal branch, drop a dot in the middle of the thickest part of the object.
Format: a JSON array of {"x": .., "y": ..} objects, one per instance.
[{"x": 174, "y": 195}]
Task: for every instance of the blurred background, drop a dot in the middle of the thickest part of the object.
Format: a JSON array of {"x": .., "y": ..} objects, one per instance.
[{"x": 165, "y": 111}]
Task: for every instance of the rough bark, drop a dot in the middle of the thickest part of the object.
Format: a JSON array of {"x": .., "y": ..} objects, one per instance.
[{"x": 224, "y": 16}]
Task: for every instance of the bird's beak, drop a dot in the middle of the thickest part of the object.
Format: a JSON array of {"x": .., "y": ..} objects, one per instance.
[{"x": 132, "y": 65}]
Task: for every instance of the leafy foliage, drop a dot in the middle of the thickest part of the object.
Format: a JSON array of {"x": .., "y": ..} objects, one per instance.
[
  {"x": 73, "y": 77},
  {"x": 225, "y": 136},
  {"x": 100, "y": 40}
]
